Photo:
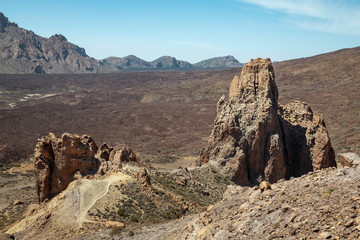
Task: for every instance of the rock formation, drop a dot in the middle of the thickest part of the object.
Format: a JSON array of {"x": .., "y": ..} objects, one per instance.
[
  {"x": 59, "y": 161},
  {"x": 143, "y": 178},
  {"x": 348, "y": 159},
  {"x": 256, "y": 139},
  {"x": 307, "y": 141}
]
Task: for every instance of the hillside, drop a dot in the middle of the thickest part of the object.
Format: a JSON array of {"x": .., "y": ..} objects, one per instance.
[
  {"x": 128, "y": 62},
  {"x": 219, "y": 62},
  {"x": 22, "y": 51},
  {"x": 321, "y": 205},
  {"x": 170, "y": 63},
  {"x": 164, "y": 116},
  {"x": 181, "y": 104}
]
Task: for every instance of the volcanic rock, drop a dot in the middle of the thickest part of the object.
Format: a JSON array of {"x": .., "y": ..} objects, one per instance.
[
  {"x": 143, "y": 178},
  {"x": 255, "y": 139},
  {"x": 246, "y": 142},
  {"x": 113, "y": 224},
  {"x": 122, "y": 156},
  {"x": 264, "y": 185},
  {"x": 59, "y": 161},
  {"x": 348, "y": 159},
  {"x": 307, "y": 140}
]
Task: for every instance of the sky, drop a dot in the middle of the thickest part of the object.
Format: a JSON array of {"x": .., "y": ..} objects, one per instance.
[{"x": 194, "y": 30}]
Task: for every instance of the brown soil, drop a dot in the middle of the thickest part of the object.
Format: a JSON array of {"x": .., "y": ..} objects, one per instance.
[
  {"x": 160, "y": 115},
  {"x": 166, "y": 116}
]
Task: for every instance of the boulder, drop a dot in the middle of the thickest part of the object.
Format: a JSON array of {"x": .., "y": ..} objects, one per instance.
[
  {"x": 348, "y": 159},
  {"x": 113, "y": 224},
  {"x": 255, "y": 139},
  {"x": 264, "y": 185}
]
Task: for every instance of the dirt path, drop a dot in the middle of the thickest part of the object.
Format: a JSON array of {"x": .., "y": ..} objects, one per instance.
[
  {"x": 70, "y": 207},
  {"x": 82, "y": 195}
]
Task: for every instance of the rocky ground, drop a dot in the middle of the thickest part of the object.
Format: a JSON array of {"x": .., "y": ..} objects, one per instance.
[
  {"x": 17, "y": 188},
  {"x": 119, "y": 198},
  {"x": 324, "y": 204}
]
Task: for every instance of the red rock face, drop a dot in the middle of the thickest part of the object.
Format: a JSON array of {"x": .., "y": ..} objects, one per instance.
[
  {"x": 59, "y": 161},
  {"x": 252, "y": 141}
]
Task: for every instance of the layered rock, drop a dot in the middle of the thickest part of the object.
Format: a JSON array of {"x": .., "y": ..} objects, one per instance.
[
  {"x": 59, "y": 161},
  {"x": 255, "y": 139}
]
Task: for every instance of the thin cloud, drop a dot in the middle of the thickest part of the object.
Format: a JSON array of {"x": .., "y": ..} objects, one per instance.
[{"x": 319, "y": 15}]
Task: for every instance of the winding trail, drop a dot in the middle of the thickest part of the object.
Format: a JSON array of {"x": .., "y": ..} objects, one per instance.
[
  {"x": 70, "y": 207},
  {"x": 82, "y": 195}
]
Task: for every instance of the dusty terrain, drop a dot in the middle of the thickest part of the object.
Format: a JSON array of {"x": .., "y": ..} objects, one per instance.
[
  {"x": 166, "y": 118},
  {"x": 90, "y": 205},
  {"x": 321, "y": 205},
  {"x": 162, "y": 115},
  {"x": 166, "y": 115}
]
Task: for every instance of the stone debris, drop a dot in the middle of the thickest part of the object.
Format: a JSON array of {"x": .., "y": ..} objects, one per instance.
[{"x": 320, "y": 205}]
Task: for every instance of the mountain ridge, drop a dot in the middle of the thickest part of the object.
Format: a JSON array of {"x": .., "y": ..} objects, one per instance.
[
  {"x": 23, "y": 51},
  {"x": 132, "y": 62}
]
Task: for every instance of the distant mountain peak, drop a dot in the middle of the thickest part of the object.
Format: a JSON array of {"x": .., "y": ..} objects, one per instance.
[
  {"x": 59, "y": 37},
  {"x": 22, "y": 51},
  {"x": 4, "y": 22},
  {"x": 219, "y": 62}
]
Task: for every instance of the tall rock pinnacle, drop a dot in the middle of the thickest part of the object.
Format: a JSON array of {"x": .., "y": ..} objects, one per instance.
[{"x": 248, "y": 142}]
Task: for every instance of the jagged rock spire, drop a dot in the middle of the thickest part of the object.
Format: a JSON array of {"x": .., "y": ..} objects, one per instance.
[{"x": 248, "y": 142}]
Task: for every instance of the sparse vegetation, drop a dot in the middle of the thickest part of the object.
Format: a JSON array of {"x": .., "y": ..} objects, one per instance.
[{"x": 115, "y": 231}]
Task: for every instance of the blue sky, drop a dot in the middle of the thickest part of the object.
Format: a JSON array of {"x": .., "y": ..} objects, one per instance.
[{"x": 194, "y": 30}]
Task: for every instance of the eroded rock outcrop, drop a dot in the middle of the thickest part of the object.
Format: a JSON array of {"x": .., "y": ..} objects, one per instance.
[
  {"x": 143, "y": 178},
  {"x": 307, "y": 140},
  {"x": 59, "y": 161},
  {"x": 256, "y": 139}
]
